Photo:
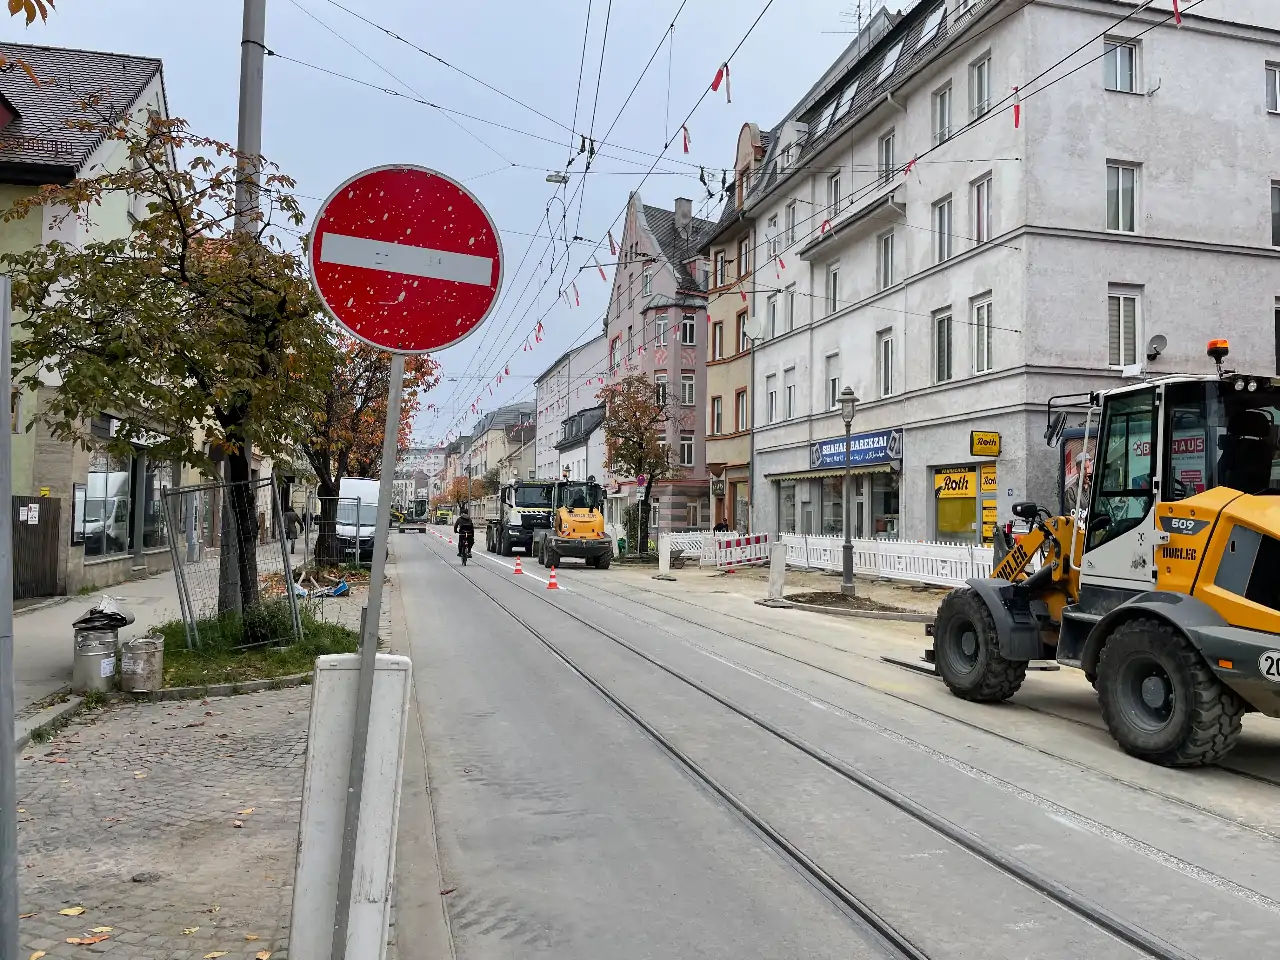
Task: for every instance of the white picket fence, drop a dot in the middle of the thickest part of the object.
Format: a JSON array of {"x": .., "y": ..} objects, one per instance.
[{"x": 943, "y": 564}]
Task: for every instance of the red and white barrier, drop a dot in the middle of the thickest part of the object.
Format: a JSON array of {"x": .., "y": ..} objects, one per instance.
[{"x": 733, "y": 552}]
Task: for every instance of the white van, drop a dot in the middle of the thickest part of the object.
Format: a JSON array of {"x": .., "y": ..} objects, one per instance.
[{"x": 357, "y": 518}]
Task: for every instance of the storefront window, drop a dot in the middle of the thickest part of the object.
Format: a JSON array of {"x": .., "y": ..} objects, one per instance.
[
  {"x": 740, "y": 511},
  {"x": 956, "y": 492},
  {"x": 105, "y": 520},
  {"x": 787, "y": 511},
  {"x": 154, "y": 529},
  {"x": 833, "y": 506},
  {"x": 884, "y": 505}
]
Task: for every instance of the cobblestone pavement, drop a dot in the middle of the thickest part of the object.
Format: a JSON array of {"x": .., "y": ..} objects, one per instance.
[{"x": 173, "y": 824}]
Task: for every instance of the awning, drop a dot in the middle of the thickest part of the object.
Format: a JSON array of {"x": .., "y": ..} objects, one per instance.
[{"x": 835, "y": 472}]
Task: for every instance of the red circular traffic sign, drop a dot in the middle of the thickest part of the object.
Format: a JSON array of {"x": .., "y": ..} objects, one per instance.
[{"x": 406, "y": 258}]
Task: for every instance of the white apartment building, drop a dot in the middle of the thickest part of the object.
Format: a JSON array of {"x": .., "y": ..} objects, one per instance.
[
  {"x": 561, "y": 394},
  {"x": 1137, "y": 196}
]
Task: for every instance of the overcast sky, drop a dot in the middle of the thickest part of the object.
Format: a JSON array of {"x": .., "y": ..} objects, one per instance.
[{"x": 321, "y": 128}]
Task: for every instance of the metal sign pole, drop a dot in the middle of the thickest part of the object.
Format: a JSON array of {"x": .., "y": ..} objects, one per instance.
[
  {"x": 8, "y": 756},
  {"x": 368, "y": 661}
]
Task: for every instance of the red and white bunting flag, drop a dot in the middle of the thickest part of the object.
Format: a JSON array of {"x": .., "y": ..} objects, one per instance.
[
  {"x": 613, "y": 246},
  {"x": 1177, "y": 14},
  {"x": 722, "y": 75},
  {"x": 826, "y": 225},
  {"x": 640, "y": 349},
  {"x": 912, "y": 162},
  {"x": 1017, "y": 103},
  {"x": 506, "y": 371},
  {"x": 601, "y": 269},
  {"x": 685, "y": 133},
  {"x": 577, "y": 302},
  {"x": 537, "y": 333}
]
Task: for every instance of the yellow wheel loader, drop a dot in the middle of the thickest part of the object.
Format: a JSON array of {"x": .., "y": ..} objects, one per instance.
[
  {"x": 577, "y": 526},
  {"x": 1164, "y": 589}
]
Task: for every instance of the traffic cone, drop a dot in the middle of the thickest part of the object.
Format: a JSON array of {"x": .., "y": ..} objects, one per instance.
[
  {"x": 518, "y": 570},
  {"x": 551, "y": 584}
]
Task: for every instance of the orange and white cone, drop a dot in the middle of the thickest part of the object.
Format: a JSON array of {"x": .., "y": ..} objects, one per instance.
[
  {"x": 551, "y": 584},
  {"x": 517, "y": 569}
]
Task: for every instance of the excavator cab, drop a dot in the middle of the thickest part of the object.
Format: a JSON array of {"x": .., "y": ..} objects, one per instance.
[{"x": 1163, "y": 589}]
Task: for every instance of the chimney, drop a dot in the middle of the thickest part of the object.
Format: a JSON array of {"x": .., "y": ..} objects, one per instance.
[{"x": 684, "y": 214}]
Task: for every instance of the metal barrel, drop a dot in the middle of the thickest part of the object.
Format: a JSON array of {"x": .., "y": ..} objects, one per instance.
[
  {"x": 94, "y": 663},
  {"x": 142, "y": 664}
]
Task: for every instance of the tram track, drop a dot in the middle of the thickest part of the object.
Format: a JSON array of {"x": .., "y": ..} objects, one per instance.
[{"x": 894, "y": 941}]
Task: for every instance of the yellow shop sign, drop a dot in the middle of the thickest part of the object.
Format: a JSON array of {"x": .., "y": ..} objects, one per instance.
[
  {"x": 984, "y": 443},
  {"x": 956, "y": 482}
]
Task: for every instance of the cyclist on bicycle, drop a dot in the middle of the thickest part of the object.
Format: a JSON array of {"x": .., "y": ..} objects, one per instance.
[{"x": 465, "y": 530}]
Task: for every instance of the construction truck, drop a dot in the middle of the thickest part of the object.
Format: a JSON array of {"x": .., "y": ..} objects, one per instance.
[
  {"x": 577, "y": 529},
  {"x": 515, "y": 513},
  {"x": 1162, "y": 586}
]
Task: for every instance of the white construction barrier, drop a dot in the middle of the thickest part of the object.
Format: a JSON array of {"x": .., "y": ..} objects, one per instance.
[
  {"x": 944, "y": 564},
  {"x": 742, "y": 551}
]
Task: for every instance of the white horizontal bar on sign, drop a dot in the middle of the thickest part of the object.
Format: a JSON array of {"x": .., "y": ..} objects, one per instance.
[{"x": 403, "y": 258}]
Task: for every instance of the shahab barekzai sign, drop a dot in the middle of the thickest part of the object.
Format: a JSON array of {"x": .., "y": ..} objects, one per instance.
[{"x": 865, "y": 450}]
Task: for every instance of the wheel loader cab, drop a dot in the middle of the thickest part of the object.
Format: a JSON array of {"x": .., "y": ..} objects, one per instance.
[{"x": 1164, "y": 591}]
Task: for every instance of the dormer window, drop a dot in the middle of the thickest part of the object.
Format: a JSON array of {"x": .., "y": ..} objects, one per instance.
[
  {"x": 890, "y": 61},
  {"x": 931, "y": 25}
]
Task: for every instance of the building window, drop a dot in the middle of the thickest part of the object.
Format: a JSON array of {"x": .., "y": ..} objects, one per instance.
[
  {"x": 646, "y": 283},
  {"x": 884, "y": 155},
  {"x": 890, "y": 61},
  {"x": 789, "y": 392},
  {"x": 159, "y": 477},
  {"x": 717, "y": 341},
  {"x": 662, "y": 332},
  {"x": 833, "y": 194},
  {"x": 1122, "y": 184},
  {"x": 884, "y": 356},
  {"x": 107, "y": 517},
  {"x": 833, "y": 287},
  {"x": 614, "y": 346},
  {"x": 942, "y": 113},
  {"x": 716, "y": 427},
  {"x": 833, "y": 381},
  {"x": 744, "y": 342},
  {"x": 660, "y": 389},
  {"x": 719, "y": 261},
  {"x": 1275, "y": 214},
  {"x": 786, "y": 156},
  {"x": 744, "y": 256},
  {"x": 790, "y": 307},
  {"x": 771, "y": 315},
  {"x": 688, "y": 331},
  {"x": 931, "y": 25},
  {"x": 1120, "y": 66},
  {"x": 942, "y": 230},
  {"x": 15, "y": 410},
  {"x": 740, "y": 411},
  {"x": 771, "y": 233},
  {"x": 884, "y": 261},
  {"x": 693, "y": 512},
  {"x": 983, "y": 336},
  {"x": 942, "y": 348},
  {"x": 982, "y": 210},
  {"x": 980, "y": 87},
  {"x": 1273, "y": 89},
  {"x": 630, "y": 341},
  {"x": 686, "y": 452},
  {"x": 1122, "y": 329},
  {"x": 790, "y": 214},
  {"x": 631, "y": 281},
  {"x": 686, "y": 389},
  {"x": 771, "y": 397}
]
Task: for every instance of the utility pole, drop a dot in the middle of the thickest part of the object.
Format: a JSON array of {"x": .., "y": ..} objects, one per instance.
[
  {"x": 8, "y": 756},
  {"x": 253, "y": 49}
]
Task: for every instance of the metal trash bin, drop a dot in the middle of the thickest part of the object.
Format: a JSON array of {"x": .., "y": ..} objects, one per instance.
[
  {"x": 94, "y": 664},
  {"x": 142, "y": 664}
]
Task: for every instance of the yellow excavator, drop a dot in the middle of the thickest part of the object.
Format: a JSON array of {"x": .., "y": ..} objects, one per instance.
[
  {"x": 1165, "y": 589},
  {"x": 577, "y": 526}
]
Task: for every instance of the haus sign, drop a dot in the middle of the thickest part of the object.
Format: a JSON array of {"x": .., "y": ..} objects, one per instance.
[{"x": 865, "y": 450}]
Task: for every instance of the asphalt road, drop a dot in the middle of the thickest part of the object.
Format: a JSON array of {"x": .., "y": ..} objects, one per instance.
[{"x": 625, "y": 780}]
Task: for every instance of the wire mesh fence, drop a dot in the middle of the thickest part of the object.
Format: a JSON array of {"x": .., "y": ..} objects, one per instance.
[
  {"x": 341, "y": 533},
  {"x": 231, "y": 564}
]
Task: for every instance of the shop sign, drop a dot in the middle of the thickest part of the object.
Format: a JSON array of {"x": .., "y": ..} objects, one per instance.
[
  {"x": 988, "y": 520},
  {"x": 865, "y": 449},
  {"x": 956, "y": 482},
  {"x": 717, "y": 488},
  {"x": 984, "y": 443},
  {"x": 987, "y": 478}
]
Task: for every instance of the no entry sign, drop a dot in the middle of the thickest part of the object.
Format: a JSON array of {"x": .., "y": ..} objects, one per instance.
[{"x": 406, "y": 258}]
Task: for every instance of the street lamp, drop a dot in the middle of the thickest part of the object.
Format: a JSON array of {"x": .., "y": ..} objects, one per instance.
[{"x": 848, "y": 406}]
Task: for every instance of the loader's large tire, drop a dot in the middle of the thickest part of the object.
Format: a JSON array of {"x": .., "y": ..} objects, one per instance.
[
  {"x": 966, "y": 650},
  {"x": 1161, "y": 701},
  {"x": 602, "y": 563}
]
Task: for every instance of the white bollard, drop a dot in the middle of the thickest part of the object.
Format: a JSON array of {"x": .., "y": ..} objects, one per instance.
[
  {"x": 664, "y": 553},
  {"x": 777, "y": 570}
]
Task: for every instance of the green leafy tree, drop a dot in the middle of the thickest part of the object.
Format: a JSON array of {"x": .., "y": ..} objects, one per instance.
[
  {"x": 180, "y": 327},
  {"x": 490, "y": 483},
  {"x": 636, "y": 416}
]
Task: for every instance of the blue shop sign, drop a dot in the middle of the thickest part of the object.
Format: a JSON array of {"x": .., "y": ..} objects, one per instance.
[{"x": 865, "y": 450}]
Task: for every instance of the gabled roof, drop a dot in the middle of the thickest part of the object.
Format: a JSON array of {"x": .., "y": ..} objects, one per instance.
[
  {"x": 588, "y": 422},
  {"x": 504, "y": 417},
  {"x": 40, "y": 138},
  {"x": 677, "y": 249}
]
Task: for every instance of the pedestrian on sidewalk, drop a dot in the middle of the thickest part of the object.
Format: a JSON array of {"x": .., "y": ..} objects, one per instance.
[{"x": 291, "y": 524}]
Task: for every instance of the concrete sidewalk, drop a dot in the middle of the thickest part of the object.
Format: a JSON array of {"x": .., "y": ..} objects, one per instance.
[{"x": 42, "y": 636}]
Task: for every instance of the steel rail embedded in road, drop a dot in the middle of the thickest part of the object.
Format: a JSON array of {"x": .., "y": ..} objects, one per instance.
[{"x": 1071, "y": 900}]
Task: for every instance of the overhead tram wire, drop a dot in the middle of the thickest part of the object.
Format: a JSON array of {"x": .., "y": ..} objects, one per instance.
[{"x": 595, "y": 105}]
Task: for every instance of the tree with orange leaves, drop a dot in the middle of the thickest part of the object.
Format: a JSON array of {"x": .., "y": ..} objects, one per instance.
[{"x": 347, "y": 427}]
